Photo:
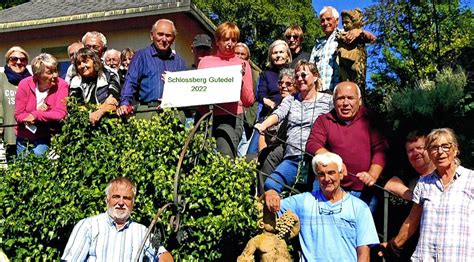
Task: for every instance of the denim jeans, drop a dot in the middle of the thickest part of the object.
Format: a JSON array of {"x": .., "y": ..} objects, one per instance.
[
  {"x": 285, "y": 173},
  {"x": 39, "y": 147}
]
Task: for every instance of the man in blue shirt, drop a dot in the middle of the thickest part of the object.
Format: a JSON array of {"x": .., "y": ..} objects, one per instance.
[
  {"x": 335, "y": 226},
  {"x": 144, "y": 80},
  {"x": 112, "y": 236}
]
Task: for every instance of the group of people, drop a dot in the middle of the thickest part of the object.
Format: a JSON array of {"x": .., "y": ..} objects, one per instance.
[{"x": 306, "y": 108}]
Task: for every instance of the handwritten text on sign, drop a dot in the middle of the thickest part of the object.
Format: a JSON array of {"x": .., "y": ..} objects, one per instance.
[{"x": 202, "y": 87}]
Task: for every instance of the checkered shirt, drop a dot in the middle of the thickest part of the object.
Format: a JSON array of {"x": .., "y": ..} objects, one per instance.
[
  {"x": 324, "y": 56},
  {"x": 447, "y": 221}
]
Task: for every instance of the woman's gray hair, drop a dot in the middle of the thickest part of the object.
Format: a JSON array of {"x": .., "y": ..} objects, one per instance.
[
  {"x": 270, "y": 50},
  {"x": 287, "y": 72},
  {"x": 43, "y": 60}
]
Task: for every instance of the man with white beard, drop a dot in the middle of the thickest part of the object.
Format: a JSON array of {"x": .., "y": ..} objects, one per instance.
[{"x": 112, "y": 236}]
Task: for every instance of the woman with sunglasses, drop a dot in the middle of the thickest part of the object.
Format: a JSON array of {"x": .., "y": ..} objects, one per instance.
[
  {"x": 16, "y": 59},
  {"x": 301, "y": 109},
  {"x": 40, "y": 104},
  {"x": 443, "y": 206}
]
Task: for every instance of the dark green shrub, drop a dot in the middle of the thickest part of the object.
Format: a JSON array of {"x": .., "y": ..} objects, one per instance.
[{"x": 43, "y": 199}]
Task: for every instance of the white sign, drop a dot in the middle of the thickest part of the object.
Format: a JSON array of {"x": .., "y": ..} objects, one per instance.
[{"x": 202, "y": 87}]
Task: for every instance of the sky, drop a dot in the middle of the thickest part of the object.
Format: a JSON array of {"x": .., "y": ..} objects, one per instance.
[
  {"x": 340, "y": 4},
  {"x": 348, "y": 4}
]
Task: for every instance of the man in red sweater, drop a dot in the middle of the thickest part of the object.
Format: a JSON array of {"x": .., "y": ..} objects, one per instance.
[{"x": 349, "y": 132}]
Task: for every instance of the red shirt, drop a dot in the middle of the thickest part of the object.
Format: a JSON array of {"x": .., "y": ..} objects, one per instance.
[{"x": 358, "y": 143}]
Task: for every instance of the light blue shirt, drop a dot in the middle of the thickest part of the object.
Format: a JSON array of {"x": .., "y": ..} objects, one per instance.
[
  {"x": 331, "y": 231},
  {"x": 97, "y": 239}
]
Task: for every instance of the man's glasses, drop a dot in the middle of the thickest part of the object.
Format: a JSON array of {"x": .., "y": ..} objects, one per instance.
[
  {"x": 302, "y": 74},
  {"x": 332, "y": 211},
  {"x": 445, "y": 147},
  {"x": 94, "y": 47},
  {"x": 15, "y": 59},
  {"x": 295, "y": 37}
]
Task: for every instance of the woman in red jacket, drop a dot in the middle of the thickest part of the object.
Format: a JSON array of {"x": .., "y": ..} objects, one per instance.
[{"x": 40, "y": 104}]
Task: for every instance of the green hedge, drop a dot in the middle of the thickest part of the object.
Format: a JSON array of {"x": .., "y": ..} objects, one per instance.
[{"x": 43, "y": 199}]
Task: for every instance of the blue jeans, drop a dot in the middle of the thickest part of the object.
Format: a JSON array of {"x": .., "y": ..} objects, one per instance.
[
  {"x": 38, "y": 147},
  {"x": 253, "y": 144},
  {"x": 284, "y": 173}
]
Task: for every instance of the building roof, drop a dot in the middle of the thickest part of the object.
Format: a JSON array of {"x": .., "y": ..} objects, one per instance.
[{"x": 40, "y": 13}]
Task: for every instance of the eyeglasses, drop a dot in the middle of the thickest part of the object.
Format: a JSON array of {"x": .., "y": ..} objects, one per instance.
[
  {"x": 325, "y": 211},
  {"x": 15, "y": 59},
  {"x": 302, "y": 74},
  {"x": 445, "y": 147},
  {"x": 285, "y": 83},
  {"x": 94, "y": 47},
  {"x": 295, "y": 37}
]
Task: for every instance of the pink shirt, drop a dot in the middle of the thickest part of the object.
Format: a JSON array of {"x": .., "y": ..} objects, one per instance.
[
  {"x": 25, "y": 103},
  {"x": 247, "y": 97}
]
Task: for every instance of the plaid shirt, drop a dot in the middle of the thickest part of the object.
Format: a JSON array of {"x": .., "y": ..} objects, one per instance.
[
  {"x": 324, "y": 56},
  {"x": 447, "y": 221}
]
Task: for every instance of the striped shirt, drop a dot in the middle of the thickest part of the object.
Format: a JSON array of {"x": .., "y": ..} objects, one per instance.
[
  {"x": 97, "y": 239},
  {"x": 447, "y": 221},
  {"x": 324, "y": 56},
  {"x": 301, "y": 116}
]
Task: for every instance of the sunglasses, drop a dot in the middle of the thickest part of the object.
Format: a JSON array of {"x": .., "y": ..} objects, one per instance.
[
  {"x": 295, "y": 37},
  {"x": 302, "y": 74},
  {"x": 15, "y": 59}
]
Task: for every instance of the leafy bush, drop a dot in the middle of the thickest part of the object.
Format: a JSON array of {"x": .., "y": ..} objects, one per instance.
[
  {"x": 43, "y": 199},
  {"x": 431, "y": 103},
  {"x": 445, "y": 101}
]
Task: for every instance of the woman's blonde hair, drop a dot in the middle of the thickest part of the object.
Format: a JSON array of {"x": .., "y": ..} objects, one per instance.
[
  {"x": 312, "y": 68},
  {"x": 16, "y": 49},
  {"x": 447, "y": 133},
  {"x": 43, "y": 60}
]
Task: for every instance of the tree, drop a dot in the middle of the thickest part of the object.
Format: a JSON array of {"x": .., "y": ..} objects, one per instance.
[
  {"x": 416, "y": 39},
  {"x": 10, "y": 3},
  {"x": 263, "y": 21}
]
